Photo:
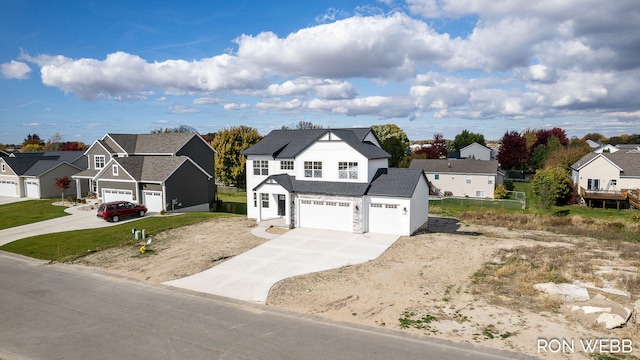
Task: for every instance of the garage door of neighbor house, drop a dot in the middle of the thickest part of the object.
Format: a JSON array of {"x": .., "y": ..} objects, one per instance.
[
  {"x": 384, "y": 218},
  {"x": 8, "y": 188},
  {"x": 31, "y": 189},
  {"x": 109, "y": 195},
  {"x": 331, "y": 215},
  {"x": 152, "y": 200}
]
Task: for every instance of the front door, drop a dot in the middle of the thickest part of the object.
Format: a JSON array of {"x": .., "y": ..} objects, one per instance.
[{"x": 281, "y": 205}]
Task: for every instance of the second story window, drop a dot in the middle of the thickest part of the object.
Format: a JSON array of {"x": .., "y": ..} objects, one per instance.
[
  {"x": 348, "y": 170},
  {"x": 313, "y": 169},
  {"x": 4, "y": 167},
  {"x": 98, "y": 161},
  {"x": 115, "y": 170},
  {"x": 286, "y": 165},
  {"x": 260, "y": 167}
]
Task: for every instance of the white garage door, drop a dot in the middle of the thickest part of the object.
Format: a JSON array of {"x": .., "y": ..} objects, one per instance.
[
  {"x": 31, "y": 189},
  {"x": 109, "y": 195},
  {"x": 332, "y": 215},
  {"x": 384, "y": 218},
  {"x": 8, "y": 188},
  {"x": 152, "y": 200}
]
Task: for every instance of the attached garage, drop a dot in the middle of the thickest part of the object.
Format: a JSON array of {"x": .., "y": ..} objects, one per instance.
[
  {"x": 152, "y": 200},
  {"x": 31, "y": 189},
  {"x": 8, "y": 188},
  {"x": 320, "y": 214},
  {"x": 384, "y": 218},
  {"x": 109, "y": 195}
]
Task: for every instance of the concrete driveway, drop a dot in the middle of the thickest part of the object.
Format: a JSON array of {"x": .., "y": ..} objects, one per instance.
[
  {"x": 78, "y": 220},
  {"x": 251, "y": 275},
  {"x": 11, "y": 199}
]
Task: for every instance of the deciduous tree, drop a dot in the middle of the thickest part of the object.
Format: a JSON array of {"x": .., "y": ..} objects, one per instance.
[
  {"x": 31, "y": 148},
  {"x": 466, "y": 138},
  {"x": 513, "y": 153},
  {"x": 62, "y": 184},
  {"x": 394, "y": 141},
  {"x": 552, "y": 185},
  {"x": 229, "y": 143}
]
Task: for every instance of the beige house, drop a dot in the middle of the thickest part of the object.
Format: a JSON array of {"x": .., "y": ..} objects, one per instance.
[
  {"x": 607, "y": 176},
  {"x": 461, "y": 177}
]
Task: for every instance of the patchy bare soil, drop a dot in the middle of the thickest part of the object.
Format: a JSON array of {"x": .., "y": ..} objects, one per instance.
[{"x": 425, "y": 284}]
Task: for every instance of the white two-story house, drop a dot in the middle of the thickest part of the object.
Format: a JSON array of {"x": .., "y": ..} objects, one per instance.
[{"x": 334, "y": 179}]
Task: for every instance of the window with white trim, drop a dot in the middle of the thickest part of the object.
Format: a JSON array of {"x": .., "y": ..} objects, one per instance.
[
  {"x": 114, "y": 169},
  {"x": 468, "y": 179},
  {"x": 313, "y": 169},
  {"x": 286, "y": 165},
  {"x": 490, "y": 181},
  {"x": 4, "y": 167},
  {"x": 265, "y": 200},
  {"x": 260, "y": 167},
  {"x": 436, "y": 177},
  {"x": 255, "y": 200},
  {"x": 98, "y": 162},
  {"x": 347, "y": 170}
]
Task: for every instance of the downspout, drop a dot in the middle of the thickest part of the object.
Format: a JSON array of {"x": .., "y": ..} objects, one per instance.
[{"x": 164, "y": 196}]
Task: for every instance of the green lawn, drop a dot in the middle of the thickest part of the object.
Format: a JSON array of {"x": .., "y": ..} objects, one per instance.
[
  {"x": 27, "y": 212},
  {"x": 70, "y": 245},
  {"x": 233, "y": 202}
]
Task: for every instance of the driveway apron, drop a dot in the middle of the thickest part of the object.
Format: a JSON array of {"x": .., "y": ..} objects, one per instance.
[{"x": 250, "y": 276}]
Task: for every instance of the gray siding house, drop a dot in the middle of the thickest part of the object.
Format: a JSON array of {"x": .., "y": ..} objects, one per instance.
[
  {"x": 172, "y": 171},
  {"x": 33, "y": 174}
]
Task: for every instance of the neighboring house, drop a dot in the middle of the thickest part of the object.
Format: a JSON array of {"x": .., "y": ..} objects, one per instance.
[
  {"x": 620, "y": 147},
  {"x": 607, "y": 171},
  {"x": 33, "y": 174},
  {"x": 335, "y": 179},
  {"x": 461, "y": 177},
  {"x": 608, "y": 177},
  {"x": 477, "y": 152},
  {"x": 167, "y": 171}
]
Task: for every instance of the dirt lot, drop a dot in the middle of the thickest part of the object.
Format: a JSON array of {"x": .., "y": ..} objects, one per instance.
[{"x": 426, "y": 284}]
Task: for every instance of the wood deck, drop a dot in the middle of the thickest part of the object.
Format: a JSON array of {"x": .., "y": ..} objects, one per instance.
[{"x": 592, "y": 197}]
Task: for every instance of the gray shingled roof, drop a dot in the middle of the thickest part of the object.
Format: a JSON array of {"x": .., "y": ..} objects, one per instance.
[
  {"x": 37, "y": 163},
  {"x": 89, "y": 173},
  {"x": 395, "y": 182},
  {"x": 20, "y": 165},
  {"x": 457, "y": 166},
  {"x": 107, "y": 147},
  {"x": 43, "y": 166},
  {"x": 151, "y": 168},
  {"x": 165, "y": 143},
  {"x": 287, "y": 144},
  {"x": 628, "y": 162},
  {"x": 386, "y": 182}
]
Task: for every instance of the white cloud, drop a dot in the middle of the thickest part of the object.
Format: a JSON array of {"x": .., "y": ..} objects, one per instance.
[
  {"x": 15, "y": 70},
  {"x": 121, "y": 73},
  {"x": 234, "y": 106},
  {"x": 518, "y": 59},
  {"x": 387, "y": 47},
  {"x": 182, "y": 109},
  {"x": 325, "y": 89}
]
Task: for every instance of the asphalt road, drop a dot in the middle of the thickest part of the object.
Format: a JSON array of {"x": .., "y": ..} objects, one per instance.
[{"x": 69, "y": 312}]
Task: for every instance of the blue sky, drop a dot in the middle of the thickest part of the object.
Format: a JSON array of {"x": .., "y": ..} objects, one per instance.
[{"x": 83, "y": 69}]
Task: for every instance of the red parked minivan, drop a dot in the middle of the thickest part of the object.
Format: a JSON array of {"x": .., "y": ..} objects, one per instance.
[{"x": 114, "y": 211}]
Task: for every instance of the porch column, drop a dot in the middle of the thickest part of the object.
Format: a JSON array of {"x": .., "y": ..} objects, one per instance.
[{"x": 78, "y": 189}]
